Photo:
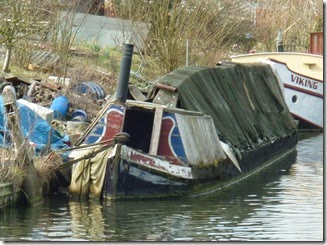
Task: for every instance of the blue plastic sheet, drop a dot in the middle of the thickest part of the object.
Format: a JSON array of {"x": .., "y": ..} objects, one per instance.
[{"x": 34, "y": 128}]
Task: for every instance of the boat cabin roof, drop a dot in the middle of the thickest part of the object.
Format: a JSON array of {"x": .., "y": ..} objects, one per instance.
[{"x": 245, "y": 101}]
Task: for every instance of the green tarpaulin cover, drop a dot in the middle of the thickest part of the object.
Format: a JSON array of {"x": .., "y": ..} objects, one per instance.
[{"x": 244, "y": 100}]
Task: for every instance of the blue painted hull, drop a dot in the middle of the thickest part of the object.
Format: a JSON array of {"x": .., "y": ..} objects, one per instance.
[{"x": 136, "y": 181}]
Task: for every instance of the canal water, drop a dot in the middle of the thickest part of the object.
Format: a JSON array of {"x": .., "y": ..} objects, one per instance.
[{"x": 283, "y": 203}]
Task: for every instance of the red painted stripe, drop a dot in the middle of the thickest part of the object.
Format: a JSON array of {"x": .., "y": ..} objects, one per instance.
[
  {"x": 303, "y": 90},
  {"x": 283, "y": 63}
]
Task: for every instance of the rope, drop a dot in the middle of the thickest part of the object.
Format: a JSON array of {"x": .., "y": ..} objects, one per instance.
[
  {"x": 83, "y": 146},
  {"x": 120, "y": 138},
  {"x": 87, "y": 156}
]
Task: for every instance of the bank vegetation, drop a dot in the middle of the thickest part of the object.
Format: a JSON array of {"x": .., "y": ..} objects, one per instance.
[
  {"x": 182, "y": 32},
  {"x": 185, "y": 32}
]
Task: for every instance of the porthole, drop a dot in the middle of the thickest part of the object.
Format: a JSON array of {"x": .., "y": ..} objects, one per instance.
[{"x": 294, "y": 98}]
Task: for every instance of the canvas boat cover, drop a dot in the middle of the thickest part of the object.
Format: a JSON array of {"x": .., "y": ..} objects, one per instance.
[
  {"x": 88, "y": 175},
  {"x": 245, "y": 101}
]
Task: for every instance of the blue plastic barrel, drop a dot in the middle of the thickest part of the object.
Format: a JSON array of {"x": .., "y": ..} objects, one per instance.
[
  {"x": 91, "y": 88},
  {"x": 60, "y": 107},
  {"x": 78, "y": 115}
]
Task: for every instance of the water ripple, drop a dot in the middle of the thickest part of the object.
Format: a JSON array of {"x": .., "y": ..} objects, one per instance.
[{"x": 284, "y": 203}]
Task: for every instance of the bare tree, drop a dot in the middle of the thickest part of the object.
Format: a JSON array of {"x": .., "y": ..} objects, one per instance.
[
  {"x": 20, "y": 20},
  {"x": 295, "y": 18},
  {"x": 193, "y": 32},
  {"x": 28, "y": 23},
  {"x": 64, "y": 28},
  {"x": 204, "y": 25}
]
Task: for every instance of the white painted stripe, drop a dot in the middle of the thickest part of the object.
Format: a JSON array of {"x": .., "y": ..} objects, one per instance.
[{"x": 131, "y": 155}]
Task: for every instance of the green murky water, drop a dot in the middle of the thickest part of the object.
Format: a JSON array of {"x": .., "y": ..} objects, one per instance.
[{"x": 283, "y": 203}]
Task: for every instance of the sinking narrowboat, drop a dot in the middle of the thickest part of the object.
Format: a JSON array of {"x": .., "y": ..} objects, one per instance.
[{"x": 198, "y": 127}]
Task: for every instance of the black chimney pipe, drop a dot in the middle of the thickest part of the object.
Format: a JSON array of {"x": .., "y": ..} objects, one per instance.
[{"x": 125, "y": 69}]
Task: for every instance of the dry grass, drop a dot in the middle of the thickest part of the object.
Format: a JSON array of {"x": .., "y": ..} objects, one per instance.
[
  {"x": 46, "y": 167},
  {"x": 12, "y": 173},
  {"x": 9, "y": 171}
]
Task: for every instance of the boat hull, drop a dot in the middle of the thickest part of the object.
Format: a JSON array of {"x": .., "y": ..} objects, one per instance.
[
  {"x": 130, "y": 179},
  {"x": 202, "y": 127},
  {"x": 303, "y": 95},
  {"x": 301, "y": 76}
]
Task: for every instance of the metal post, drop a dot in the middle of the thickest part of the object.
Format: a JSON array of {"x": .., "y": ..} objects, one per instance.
[
  {"x": 125, "y": 69},
  {"x": 280, "y": 47},
  {"x": 186, "y": 52}
]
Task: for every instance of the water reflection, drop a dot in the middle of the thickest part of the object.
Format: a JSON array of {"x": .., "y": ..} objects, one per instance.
[
  {"x": 212, "y": 217},
  {"x": 87, "y": 220},
  {"x": 282, "y": 203},
  {"x": 44, "y": 222}
]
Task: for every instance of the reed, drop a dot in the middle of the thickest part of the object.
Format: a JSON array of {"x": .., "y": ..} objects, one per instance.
[
  {"x": 12, "y": 173},
  {"x": 9, "y": 171}
]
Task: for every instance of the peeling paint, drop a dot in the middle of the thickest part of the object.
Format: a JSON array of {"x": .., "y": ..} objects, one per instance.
[{"x": 130, "y": 155}]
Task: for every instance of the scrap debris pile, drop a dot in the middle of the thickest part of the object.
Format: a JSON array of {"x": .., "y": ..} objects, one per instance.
[{"x": 68, "y": 109}]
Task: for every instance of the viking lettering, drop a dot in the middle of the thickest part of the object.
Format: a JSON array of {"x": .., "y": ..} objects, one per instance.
[
  {"x": 315, "y": 85},
  {"x": 304, "y": 82}
]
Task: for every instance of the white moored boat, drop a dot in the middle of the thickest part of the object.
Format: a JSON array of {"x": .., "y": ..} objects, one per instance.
[{"x": 301, "y": 77}]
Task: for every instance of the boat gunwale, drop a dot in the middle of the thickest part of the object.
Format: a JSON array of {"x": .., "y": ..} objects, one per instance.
[
  {"x": 278, "y": 61},
  {"x": 279, "y": 53},
  {"x": 297, "y": 73}
]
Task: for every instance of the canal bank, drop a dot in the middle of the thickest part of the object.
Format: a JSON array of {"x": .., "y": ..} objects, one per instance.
[{"x": 9, "y": 195}]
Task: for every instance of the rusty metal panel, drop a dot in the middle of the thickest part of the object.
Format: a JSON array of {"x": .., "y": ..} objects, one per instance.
[
  {"x": 200, "y": 140},
  {"x": 316, "y": 43}
]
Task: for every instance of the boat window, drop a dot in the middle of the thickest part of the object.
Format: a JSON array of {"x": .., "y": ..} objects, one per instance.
[
  {"x": 294, "y": 99},
  {"x": 138, "y": 124}
]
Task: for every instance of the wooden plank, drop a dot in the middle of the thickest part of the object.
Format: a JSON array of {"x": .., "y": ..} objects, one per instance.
[
  {"x": 136, "y": 93},
  {"x": 157, "y": 121},
  {"x": 152, "y": 106},
  {"x": 166, "y": 98},
  {"x": 41, "y": 58}
]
